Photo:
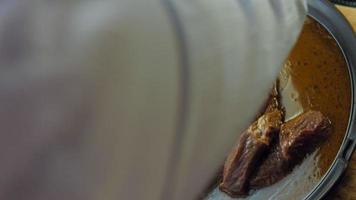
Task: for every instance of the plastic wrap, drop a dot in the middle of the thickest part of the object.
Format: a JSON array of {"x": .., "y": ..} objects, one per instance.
[{"x": 131, "y": 99}]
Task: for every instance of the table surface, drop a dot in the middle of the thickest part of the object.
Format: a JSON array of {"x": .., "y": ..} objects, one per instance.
[{"x": 346, "y": 188}]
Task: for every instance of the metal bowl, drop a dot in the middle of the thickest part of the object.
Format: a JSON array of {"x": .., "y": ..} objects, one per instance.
[{"x": 327, "y": 15}]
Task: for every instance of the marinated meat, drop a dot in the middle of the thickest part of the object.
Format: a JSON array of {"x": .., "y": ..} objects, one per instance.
[
  {"x": 245, "y": 156},
  {"x": 272, "y": 169},
  {"x": 240, "y": 164},
  {"x": 260, "y": 159},
  {"x": 297, "y": 137},
  {"x": 268, "y": 150},
  {"x": 302, "y": 134}
]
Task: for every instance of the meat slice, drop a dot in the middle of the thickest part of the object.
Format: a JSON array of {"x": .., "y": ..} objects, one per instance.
[
  {"x": 302, "y": 134},
  {"x": 271, "y": 169},
  {"x": 242, "y": 161},
  {"x": 297, "y": 137}
]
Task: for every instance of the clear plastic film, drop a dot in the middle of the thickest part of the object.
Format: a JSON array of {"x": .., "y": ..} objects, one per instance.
[{"x": 131, "y": 99}]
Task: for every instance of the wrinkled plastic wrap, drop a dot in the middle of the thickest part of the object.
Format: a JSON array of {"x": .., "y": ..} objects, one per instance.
[{"x": 131, "y": 99}]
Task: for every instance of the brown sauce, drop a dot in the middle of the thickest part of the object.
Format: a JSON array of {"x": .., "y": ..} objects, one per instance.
[{"x": 316, "y": 77}]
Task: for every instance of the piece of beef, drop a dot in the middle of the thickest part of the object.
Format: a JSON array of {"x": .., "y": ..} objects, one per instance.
[
  {"x": 271, "y": 169},
  {"x": 243, "y": 159},
  {"x": 297, "y": 137},
  {"x": 302, "y": 134}
]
